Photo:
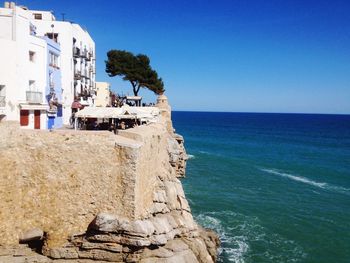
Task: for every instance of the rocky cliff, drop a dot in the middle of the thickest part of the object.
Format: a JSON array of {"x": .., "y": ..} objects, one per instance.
[{"x": 94, "y": 196}]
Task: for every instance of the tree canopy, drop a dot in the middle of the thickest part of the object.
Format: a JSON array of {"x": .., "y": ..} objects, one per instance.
[{"x": 134, "y": 68}]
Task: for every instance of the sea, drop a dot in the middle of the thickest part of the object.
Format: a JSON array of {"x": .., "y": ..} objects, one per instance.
[{"x": 275, "y": 187}]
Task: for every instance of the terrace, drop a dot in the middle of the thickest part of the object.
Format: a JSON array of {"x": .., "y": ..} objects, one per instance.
[{"x": 34, "y": 96}]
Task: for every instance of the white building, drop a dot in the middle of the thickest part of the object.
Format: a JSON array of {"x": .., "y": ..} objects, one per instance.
[
  {"x": 22, "y": 69},
  {"x": 77, "y": 58},
  {"x": 21, "y": 32},
  {"x": 103, "y": 98}
]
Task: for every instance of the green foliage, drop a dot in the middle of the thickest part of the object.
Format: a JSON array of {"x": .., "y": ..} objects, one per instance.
[{"x": 134, "y": 68}]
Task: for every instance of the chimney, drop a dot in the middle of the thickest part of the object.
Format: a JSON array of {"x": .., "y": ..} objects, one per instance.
[
  {"x": 7, "y": 4},
  {"x": 12, "y": 5}
]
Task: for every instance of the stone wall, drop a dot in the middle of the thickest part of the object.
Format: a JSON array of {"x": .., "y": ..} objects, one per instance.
[
  {"x": 98, "y": 196},
  {"x": 57, "y": 182}
]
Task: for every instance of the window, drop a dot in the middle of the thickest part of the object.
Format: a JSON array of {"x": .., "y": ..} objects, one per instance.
[
  {"x": 53, "y": 36},
  {"x": 51, "y": 82},
  {"x": 38, "y": 16},
  {"x": 2, "y": 90},
  {"x": 32, "y": 29},
  {"x": 32, "y": 85},
  {"x": 59, "y": 110},
  {"x": 53, "y": 60},
  {"x": 2, "y": 96},
  {"x": 32, "y": 56}
]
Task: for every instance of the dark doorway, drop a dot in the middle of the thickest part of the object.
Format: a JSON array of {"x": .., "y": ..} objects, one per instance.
[
  {"x": 24, "y": 117},
  {"x": 37, "y": 119}
]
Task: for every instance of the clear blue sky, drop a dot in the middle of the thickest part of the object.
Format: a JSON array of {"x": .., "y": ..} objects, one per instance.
[{"x": 250, "y": 56}]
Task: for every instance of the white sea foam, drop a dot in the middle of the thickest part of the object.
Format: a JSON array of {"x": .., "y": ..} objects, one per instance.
[
  {"x": 190, "y": 156},
  {"x": 295, "y": 178},
  {"x": 237, "y": 231},
  {"x": 232, "y": 247},
  {"x": 307, "y": 181}
]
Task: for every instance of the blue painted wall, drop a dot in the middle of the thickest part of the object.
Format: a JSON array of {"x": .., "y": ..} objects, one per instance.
[
  {"x": 51, "y": 122},
  {"x": 54, "y": 74}
]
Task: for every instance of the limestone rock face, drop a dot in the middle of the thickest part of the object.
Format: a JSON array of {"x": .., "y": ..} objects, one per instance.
[
  {"x": 33, "y": 234},
  {"x": 177, "y": 154},
  {"x": 98, "y": 197}
]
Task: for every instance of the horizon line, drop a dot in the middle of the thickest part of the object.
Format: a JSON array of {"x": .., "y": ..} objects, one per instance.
[{"x": 254, "y": 112}]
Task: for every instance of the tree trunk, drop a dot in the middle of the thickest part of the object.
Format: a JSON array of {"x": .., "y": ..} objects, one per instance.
[{"x": 135, "y": 89}]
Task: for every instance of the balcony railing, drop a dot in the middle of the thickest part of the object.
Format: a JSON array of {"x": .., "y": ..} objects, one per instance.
[
  {"x": 83, "y": 53},
  {"x": 77, "y": 75},
  {"x": 2, "y": 101},
  {"x": 34, "y": 96},
  {"x": 86, "y": 74},
  {"x": 76, "y": 52},
  {"x": 89, "y": 56}
]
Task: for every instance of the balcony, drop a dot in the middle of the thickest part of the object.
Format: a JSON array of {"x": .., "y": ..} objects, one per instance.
[
  {"x": 84, "y": 53},
  {"x": 34, "y": 96},
  {"x": 77, "y": 75},
  {"x": 86, "y": 74},
  {"x": 76, "y": 52},
  {"x": 2, "y": 101},
  {"x": 89, "y": 56}
]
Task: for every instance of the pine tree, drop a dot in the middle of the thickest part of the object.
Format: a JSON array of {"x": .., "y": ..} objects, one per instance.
[{"x": 134, "y": 68}]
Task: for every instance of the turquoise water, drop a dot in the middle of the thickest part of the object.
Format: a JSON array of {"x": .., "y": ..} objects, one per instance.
[{"x": 276, "y": 187}]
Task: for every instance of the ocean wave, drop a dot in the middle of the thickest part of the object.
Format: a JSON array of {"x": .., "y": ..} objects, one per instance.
[
  {"x": 190, "y": 201},
  {"x": 232, "y": 247},
  {"x": 305, "y": 180},
  {"x": 238, "y": 232},
  {"x": 190, "y": 156}
]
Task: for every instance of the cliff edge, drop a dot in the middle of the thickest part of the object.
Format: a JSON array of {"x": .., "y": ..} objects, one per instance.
[{"x": 81, "y": 196}]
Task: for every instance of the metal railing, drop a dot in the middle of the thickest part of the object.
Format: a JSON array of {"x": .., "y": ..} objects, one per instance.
[
  {"x": 76, "y": 52},
  {"x": 84, "y": 53},
  {"x": 89, "y": 56},
  {"x": 77, "y": 75},
  {"x": 86, "y": 74},
  {"x": 34, "y": 96},
  {"x": 2, "y": 101}
]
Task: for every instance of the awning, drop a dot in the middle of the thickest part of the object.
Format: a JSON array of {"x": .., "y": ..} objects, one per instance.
[
  {"x": 76, "y": 105},
  {"x": 25, "y": 106},
  {"x": 100, "y": 112},
  {"x": 133, "y": 97},
  {"x": 125, "y": 112}
]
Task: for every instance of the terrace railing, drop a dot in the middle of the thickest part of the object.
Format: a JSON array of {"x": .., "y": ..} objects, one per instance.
[
  {"x": 2, "y": 101},
  {"x": 77, "y": 75},
  {"x": 76, "y": 52},
  {"x": 34, "y": 96}
]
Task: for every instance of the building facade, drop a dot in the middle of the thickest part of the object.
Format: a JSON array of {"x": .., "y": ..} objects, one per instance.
[
  {"x": 22, "y": 69},
  {"x": 53, "y": 90},
  {"x": 103, "y": 94},
  {"x": 77, "y": 59},
  {"x": 45, "y": 64}
]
